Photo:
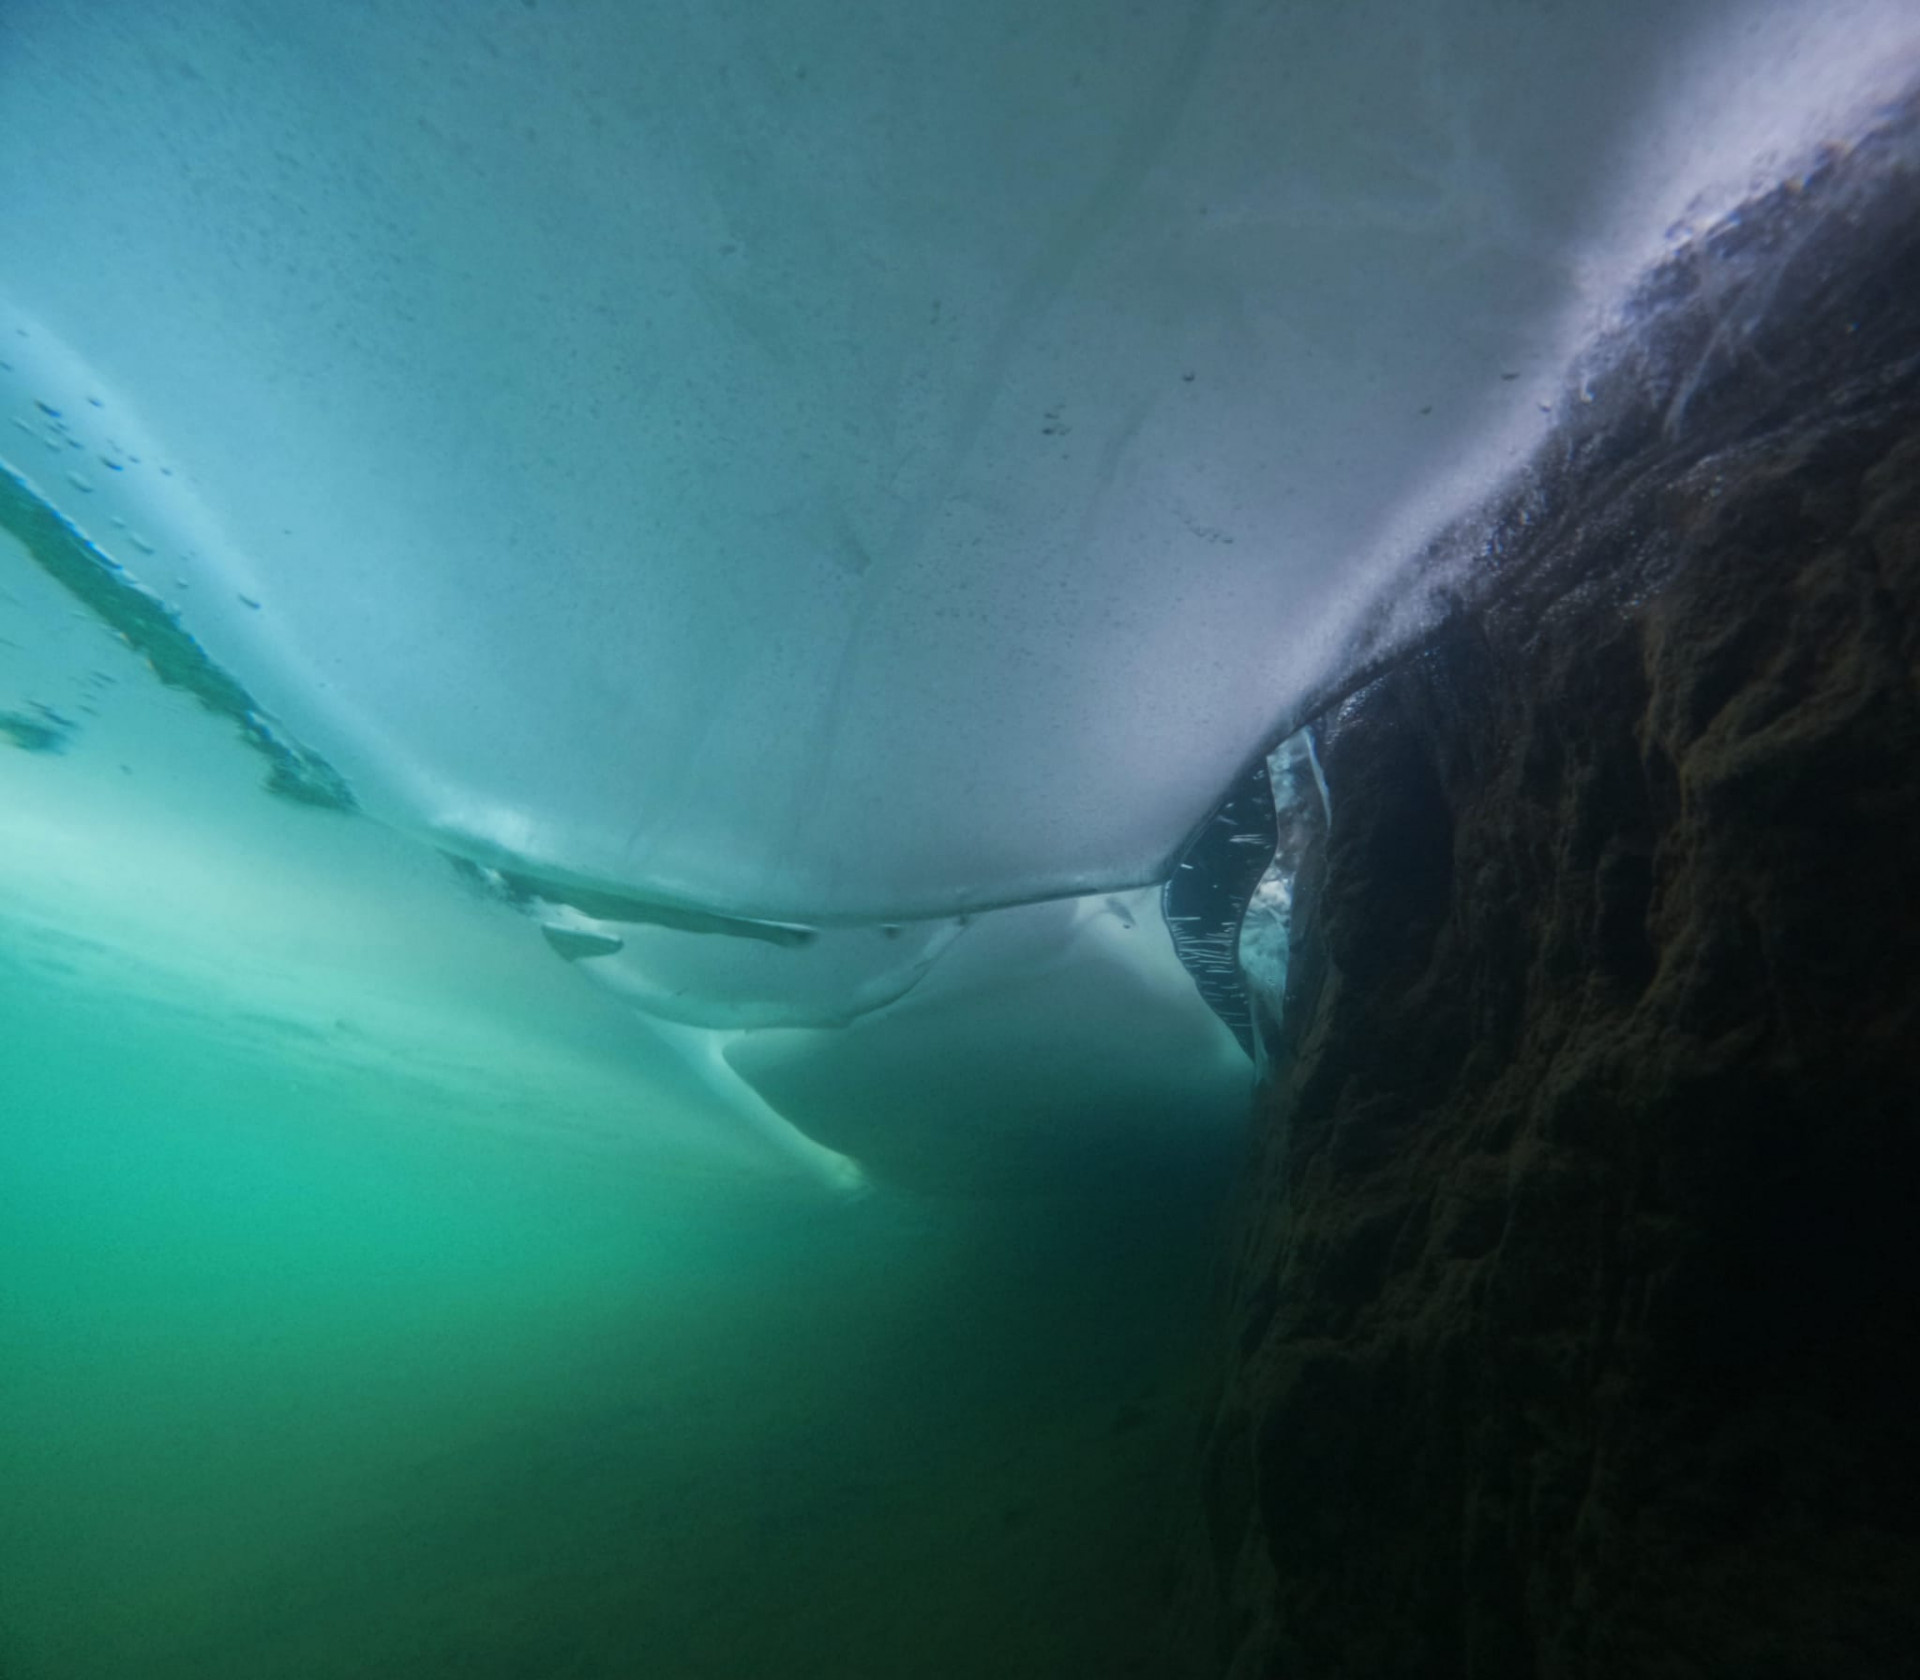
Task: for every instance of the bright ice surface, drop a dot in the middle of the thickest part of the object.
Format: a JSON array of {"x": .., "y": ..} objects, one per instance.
[
  {"x": 828, "y": 460},
  {"x": 833, "y": 458}
]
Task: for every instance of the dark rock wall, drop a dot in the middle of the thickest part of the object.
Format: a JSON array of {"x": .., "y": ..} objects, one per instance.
[{"x": 1575, "y": 1317}]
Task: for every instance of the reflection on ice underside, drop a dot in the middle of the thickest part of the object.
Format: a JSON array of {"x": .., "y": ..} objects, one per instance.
[{"x": 765, "y": 492}]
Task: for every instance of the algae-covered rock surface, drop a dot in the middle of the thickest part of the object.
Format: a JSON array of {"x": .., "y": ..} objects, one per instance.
[{"x": 1575, "y": 1306}]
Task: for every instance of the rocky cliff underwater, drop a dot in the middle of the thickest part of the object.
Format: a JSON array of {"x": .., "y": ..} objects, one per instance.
[{"x": 1575, "y": 1290}]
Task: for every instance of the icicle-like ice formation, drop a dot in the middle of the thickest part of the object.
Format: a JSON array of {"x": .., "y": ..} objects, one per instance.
[{"x": 1302, "y": 813}]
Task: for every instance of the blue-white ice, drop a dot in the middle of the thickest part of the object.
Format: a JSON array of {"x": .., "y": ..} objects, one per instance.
[{"x": 829, "y": 460}]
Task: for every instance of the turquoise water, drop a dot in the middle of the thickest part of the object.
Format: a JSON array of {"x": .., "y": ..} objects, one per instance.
[{"x": 315, "y": 1362}]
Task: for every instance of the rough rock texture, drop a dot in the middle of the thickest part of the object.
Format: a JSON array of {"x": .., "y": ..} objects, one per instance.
[{"x": 1576, "y": 1307}]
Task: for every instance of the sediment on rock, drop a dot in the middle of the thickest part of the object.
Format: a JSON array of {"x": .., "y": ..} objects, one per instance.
[{"x": 1575, "y": 1307}]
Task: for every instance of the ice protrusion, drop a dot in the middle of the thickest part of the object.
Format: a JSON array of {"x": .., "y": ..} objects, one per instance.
[
  {"x": 1302, "y": 814},
  {"x": 1056, "y": 1043}
]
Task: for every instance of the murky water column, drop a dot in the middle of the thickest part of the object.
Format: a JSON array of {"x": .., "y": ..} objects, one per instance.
[{"x": 325, "y": 1350}]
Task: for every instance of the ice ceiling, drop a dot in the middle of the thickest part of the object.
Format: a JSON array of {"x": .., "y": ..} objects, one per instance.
[{"x": 762, "y": 481}]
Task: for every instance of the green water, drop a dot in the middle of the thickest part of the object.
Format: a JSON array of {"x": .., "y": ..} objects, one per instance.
[{"x": 309, "y": 1368}]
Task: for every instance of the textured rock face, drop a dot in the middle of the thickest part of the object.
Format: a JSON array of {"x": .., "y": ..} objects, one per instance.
[{"x": 1576, "y": 1306}]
